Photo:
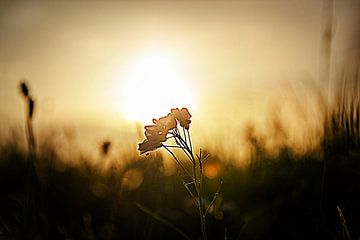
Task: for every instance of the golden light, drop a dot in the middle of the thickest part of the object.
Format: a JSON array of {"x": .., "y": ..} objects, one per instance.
[
  {"x": 152, "y": 85},
  {"x": 132, "y": 179},
  {"x": 212, "y": 170}
]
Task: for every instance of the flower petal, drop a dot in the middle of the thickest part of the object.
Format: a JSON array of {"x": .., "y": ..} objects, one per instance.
[
  {"x": 148, "y": 145},
  {"x": 182, "y": 116}
]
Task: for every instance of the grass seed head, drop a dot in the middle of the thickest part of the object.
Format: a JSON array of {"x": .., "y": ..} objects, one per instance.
[{"x": 24, "y": 89}]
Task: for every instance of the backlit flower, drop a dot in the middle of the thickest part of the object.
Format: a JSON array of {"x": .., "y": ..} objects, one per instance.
[
  {"x": 182, "y": 116},
  {"x": 149, "y": 145},
  {"x": 167, "y": 122},
  {"x": 155, "y": 132}
]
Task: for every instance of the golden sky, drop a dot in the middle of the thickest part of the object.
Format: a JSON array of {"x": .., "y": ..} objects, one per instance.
[{"x": 227, "y": 61}]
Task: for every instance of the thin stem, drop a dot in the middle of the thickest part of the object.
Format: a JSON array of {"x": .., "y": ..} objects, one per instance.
[
  {"x": 203, "y": 228},
  {"x": 183, "y": 147},
  {"x": 214, "y": 198},
  {"x": 190, "y": 192},
  {"x": 172, "y": 146},
  {"x": 178, "y": 135},
  {"x": 186, "y": 146},
  {"x": 162, "y": 220},
  {"x": 201, "y": 204},
  {"x": 184, "y": 134},
  {"x": 242, "y": 230},
  {"x": 343, "y": 222},
  {"x": 189, "y": 139},
  {"x": 177, "y": 161},
  {"x": 206, "y": 157},
  {"x": 31, "y": 139}
]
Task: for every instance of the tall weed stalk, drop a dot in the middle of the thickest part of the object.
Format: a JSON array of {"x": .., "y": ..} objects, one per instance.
[{"x": 166, "y": 133}]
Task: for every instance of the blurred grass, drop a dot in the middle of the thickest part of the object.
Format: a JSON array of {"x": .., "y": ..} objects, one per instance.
[{"x": 275, "y": 196}]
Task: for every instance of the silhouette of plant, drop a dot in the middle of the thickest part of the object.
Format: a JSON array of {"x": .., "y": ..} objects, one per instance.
[
  {"x": 105, "y": 147},
  {"x": 30, "y": 103},
  {"x": 164, "y": 130}
]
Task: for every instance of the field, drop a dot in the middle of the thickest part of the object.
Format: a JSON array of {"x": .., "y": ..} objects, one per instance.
[
  {"x": 287, "y": 195},
  {"x": 195, "y": 120}
]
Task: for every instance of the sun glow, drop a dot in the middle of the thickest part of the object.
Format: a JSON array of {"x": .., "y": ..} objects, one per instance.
[{"x": 153, "y": 85}]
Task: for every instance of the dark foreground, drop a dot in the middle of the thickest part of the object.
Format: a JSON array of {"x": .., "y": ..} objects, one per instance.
[{"x": 313, "y": 196}]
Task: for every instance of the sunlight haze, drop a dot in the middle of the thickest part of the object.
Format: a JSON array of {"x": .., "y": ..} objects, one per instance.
[{"x": 115, "y": 63}]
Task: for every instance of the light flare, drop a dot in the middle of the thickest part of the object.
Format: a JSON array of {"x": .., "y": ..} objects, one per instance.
[{"x": 152, "y": 85}]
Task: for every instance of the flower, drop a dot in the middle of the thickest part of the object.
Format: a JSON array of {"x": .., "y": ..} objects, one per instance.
[
  {"x": 182, "y": 116},
  {"x": 157, "y": 132},
  {"x": 149, "y": 145},
  {"x": 154, "y": 138},
  {"x": 161, "y": 127},
  {"x": 168, "y": 122}
]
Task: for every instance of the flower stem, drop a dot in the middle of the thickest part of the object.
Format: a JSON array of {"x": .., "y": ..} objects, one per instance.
[
  {"x": 177, "y": 161},
  {"x": 201, "y": 204},
  {"x": 190, "y": 192},
  {"x": 189, "y": 138},
  {"x": 180, "y": 142},
  {"x": 214, "y": 198},
  {"x": 197, "y": 178},
  {"x": 171, "y": 146},
  {"x": 184, "y": 134}
]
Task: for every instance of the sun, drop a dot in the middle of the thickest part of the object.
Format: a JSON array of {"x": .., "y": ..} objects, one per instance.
[{"x": 152, "y": 85}]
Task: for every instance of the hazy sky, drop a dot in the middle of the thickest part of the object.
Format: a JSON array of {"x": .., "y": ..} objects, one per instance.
[{"x": 233, "y": 56}]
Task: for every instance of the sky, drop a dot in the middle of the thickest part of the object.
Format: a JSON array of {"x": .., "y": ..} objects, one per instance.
[{"x": 109, "y": 63}]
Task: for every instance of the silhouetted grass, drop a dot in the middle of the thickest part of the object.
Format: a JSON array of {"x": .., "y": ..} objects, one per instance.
[
  {"x": 277, "y": 199},
  {"x": 276, "y": 196}
]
